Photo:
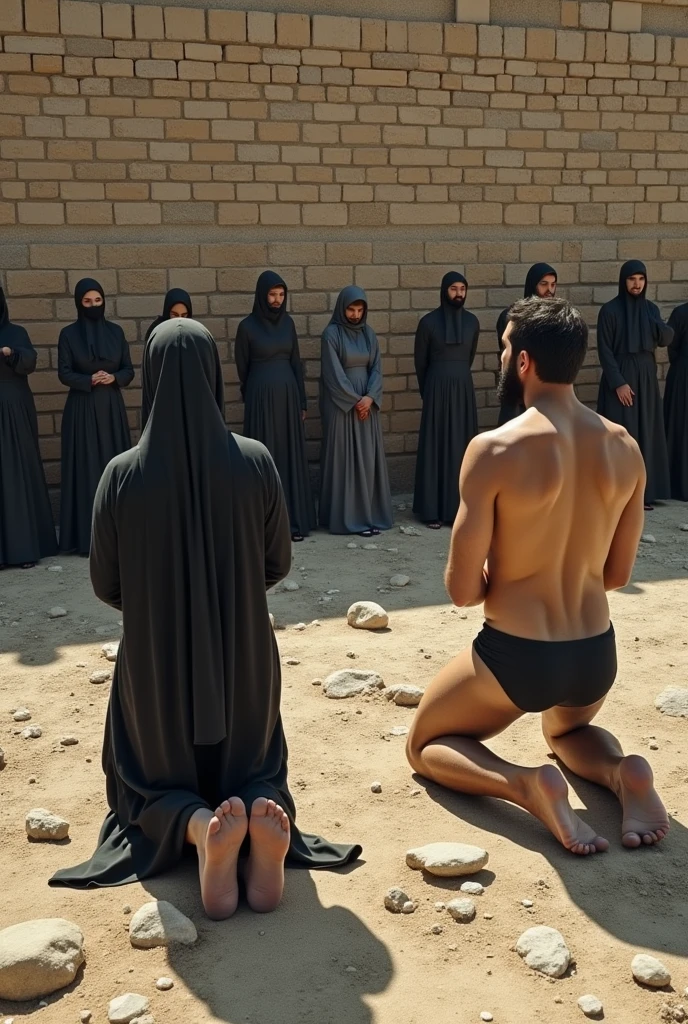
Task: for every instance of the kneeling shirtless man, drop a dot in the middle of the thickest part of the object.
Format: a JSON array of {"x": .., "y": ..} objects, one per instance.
[{"x": 550, "y": 519}]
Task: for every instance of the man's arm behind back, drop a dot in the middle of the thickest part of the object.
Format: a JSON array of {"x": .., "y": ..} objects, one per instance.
[{"x": 624, "y": 546}]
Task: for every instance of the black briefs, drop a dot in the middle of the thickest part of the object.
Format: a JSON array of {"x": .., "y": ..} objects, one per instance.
[{"x": 540, "y": 674}]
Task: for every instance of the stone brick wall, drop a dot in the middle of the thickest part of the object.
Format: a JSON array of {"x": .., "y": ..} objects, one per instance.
[{"x": 154, "y": 146}]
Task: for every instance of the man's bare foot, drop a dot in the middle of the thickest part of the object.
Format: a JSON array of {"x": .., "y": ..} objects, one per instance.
[
  {"x": 218, "y": 855},
  {"x": 547, "y": 797},
  {"x": 645, "y": 820},
  {"x": 269, "y": 831}
]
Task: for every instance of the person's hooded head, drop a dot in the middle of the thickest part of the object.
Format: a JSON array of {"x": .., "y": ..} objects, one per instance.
[
  {"x": 351, "y": 310},
  {"x": 632, "y": 294},
  {"x": 270, "y": 302},
  {"x": 453, "y": 291},
  {"x": 177, "y": 303},
  {"x": 541, "y": 281},
  {"x": 100, "y": 340}
]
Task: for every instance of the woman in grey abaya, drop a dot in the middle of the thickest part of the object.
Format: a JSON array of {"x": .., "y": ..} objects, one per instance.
[
  {"x": 354, "y": 485},
  {"x": 268, "y": 362},
  {"x": 27, "y": 532},
  {"x": 93, "y": 361},
  {"x": 629, "y": 329},
  {"x": 190, "y": 529},
  {"x": 676, "y": 404},
  {"x": 446, "y": 343}
]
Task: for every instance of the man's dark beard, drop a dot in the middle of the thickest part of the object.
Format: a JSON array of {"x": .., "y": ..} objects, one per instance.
[
  {"x": 509, "y": 388},
  {"x": 457, "y": 303}
]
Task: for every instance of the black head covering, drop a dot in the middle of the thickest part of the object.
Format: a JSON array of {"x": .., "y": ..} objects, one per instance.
[
  {"x": 346, "y": 298},
  {"x": 101, "y": 342},
  {"x": 173, "y": 296},
  {"x": 184, "y": 454},
  {"x": 261, "y": 307},
  {"x": 149, "y": 379},
  {"x": 4, "y": 314},
  {"x": 534, "y": 276},
  {"x": 453, "y": 315},
  {"x": 639, "y": 334}
]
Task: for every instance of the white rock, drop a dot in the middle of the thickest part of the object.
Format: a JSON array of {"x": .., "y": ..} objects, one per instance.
[
  {"x": 103, "y": 676},
  {"x": 164, "y": 984},
  {"x": 399, "y": 730},
  {"x": 647, "y": 538},
  {"x": 408, "y": 907},
  {"x": 447, "y": 860},
  {"x": 159, "y": 923},
  {"x": 42, "y": 824},
  {"x": 22, "y": 715},
  {"x": 85, "y": 1016},
  {"x": 147, "y": 1018},
  {"x": 370, "y": 547},
  {"x": 54, "y": 568},
  {"x": 400, "y": 580},
  {"x": 376, "y": 787},
  {"x": 300, "y": 626},
  {"x": 650, "y": 971},
  {"x": 544, "y": 950},
  {"x": 331, "y": 592},
  {"x": 486, "y": 1016},
  {"x": 109, "y": 651},
  {"x": 57, "y": 612},
  {"x": 409, "y": 531},
  {"x": 352, "y": 546},
  {"x": 527, "y": 904},
  {"x": 290, "y": 586},
  {"x": 673, "y": 702},
  {"x": 396, "y": 900},
  {"x": 473, "y": 888},
  {"x": 461, "y": 910},
  {"x": 405, "y": 696},
  {"x": 367, "y": 615},
  {"x": 349, "y": 682},
  {"x": 127, "y": 1008},
  {"x": 393, "y": 551},
  {"x": 32, "y": 732},
  {"x": 68, "y": 741},
  {"x": 39, "y": 957},
  {"x": 591, "y": 1006}
]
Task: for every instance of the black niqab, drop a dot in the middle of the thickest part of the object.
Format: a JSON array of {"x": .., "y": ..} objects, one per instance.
[
  {"x": 173, "y": 297},
  {"x": 262, "y": 309},
  {"x": 101, "y": 342},
  {"x": 453, "y": 314},
  {"x": 639, "y": 333},
  {"x": 534, "y": 276}
]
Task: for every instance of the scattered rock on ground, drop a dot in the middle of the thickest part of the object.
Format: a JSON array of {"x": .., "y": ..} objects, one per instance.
[
  {"x": 32, "y": 732},
  {"x": 409, "y": 531},
  {"x": 447, "y": 860},
  {"x": 648, "y": 970},
  {"x": 109, "y": 651},
  {"x": 316, "y": 682},
  {"x": 147, "y": 1018},
  {"x": 367, "y": 615},
  {"x": 22, "y": 715},
  {"x": 42, "y": 824},
  {"x": 405, "y": 696},
  {"x": 103, "y": 676},
  {"x": 164, "y": 984},
  {"x": 370, "y": 547},
  {"x": 3, "y": 760},
  {"x": 673, "y": 702},
  {"x": 159, "y": 923},
  {"x": 591, "y": 1006},
  {"x": 39, "y": 957},
  {"x": 545, "y": 950},
  {"x": 461, "y": 910},
  {"x": 684, "y": 527},
  {"x": 349, "y": 682},
  {"x": 352, "y": 546},
  {"x": 292, "y": 661},
  {"x": 376, "y": 787},
  {"x": 398, "y": 902},
  {"x": 85, "y": 1016},
  {"x": 486, "y": 1016},
  {"x": 57, "y": 612},
  {"x": 399, "y": 580},
  {"x": 290, "y": 585},
  {"x": 399, "y": 730},
  {"x": 124, "y": 1009},
  {"x": 473, "y": 888},
  {"x": 54, "y": 568},
  {"x": 647, "y": 538},
  {"x": 527, "y": 904},
  {"x": 68, "y": 741}
]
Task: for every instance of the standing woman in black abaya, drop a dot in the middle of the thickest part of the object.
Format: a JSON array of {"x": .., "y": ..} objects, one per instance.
[
  {"x": 93, "y": 361},
  {"x": 266, "y": 352},
  {"x": 27, "y": 533}
]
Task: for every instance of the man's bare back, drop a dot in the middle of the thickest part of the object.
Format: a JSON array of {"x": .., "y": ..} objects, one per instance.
[{"x": 550, "y": 518}]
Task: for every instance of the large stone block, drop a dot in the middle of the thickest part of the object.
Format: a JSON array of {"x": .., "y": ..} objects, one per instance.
[{"x": 336, "y": 33}]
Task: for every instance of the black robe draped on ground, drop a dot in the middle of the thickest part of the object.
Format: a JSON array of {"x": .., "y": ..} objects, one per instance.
[
  {"x": 446, "y": 343},
  {"x": 354, "y": 485},
  {"x": 676, "y": 404},
  {"x": 190, "y": 529},
  {"x": 510, "y": 410},
  {"x": 27, "y": 531},
  {"x": 268, "y": 362},
  {"x": 94, "y": 423},
  {"x": 628, "y": 331}
]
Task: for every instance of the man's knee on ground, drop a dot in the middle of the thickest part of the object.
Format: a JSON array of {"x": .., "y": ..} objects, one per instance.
[{"x": 414, "y": 754}]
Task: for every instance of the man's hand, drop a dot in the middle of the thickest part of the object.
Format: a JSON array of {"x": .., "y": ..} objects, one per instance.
[
  {"x": 625, "y": 394},
  {"x": 363, "y": 408},
  {"x": 6, "y": 351}
]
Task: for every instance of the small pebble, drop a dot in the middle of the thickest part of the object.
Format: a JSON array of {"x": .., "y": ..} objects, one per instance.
[
  {"x": 647, "y": 538},
  {"x": 290, "y": 585},
  {"x": 440, "y": 906},
  {"x": 126, "y": 909},
  {"x": 590, "y": 1005},
  {"x": 68, "y": 741},
  {"x": 32, "y": 732},
  {"x": 370, "y": 547},
  {"x": 300, "y": 626},
  {"x": 399, "y": 581},
  {"x": 486, "y": 1016},
  {"x": 376, "y": 787},
  {"x": 526, "y": 903},
  {"x": 57, "y": 613},
  {"x": 351, "y": 970},
  {"x": 164, "y": 984},
  {"x": 292, "y": 661},
  {"x": 42, "y": 1005},
  {"x": 22, "y": 715},
  {"x": 85, "y": 1016},
  {"x": 473, "y": 888},
  {"x": 653, "y": 745},
  {"x": 316, "y": 682},
  {"x": 352, "y": 546},
  {"x": 437, "y": 929}
]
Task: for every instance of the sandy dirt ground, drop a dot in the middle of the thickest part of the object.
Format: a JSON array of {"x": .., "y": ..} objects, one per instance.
[{"x": 332, "y": 954}]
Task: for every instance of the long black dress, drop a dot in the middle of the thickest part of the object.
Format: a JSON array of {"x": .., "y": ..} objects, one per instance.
[
  {"x": 27, "y": 532},
  {"x": 628, "y": 331},
  {"x": 676, "y": 404},
  {"x": 268, "y": 362},
  {"x": 510, "y": 410},
  {"x": 446, "y": 343},
  {"x": 94, "y": 424},
  {"x": 354, "y": 485},
  {"x": 190, "y": 529}
]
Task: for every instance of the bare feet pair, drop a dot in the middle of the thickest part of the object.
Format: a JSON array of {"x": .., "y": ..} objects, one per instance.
[
  {"x": 645, "y": 820},
  {"x": 218, "y": 839}
]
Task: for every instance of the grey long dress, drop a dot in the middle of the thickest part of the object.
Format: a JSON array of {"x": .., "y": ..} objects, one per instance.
[
  {"x": 354, "y": 490},
  {"x": 189, "y": 530}
]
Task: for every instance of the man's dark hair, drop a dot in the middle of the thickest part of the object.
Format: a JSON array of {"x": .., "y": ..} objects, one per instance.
[{"x": 553, "y": 333}]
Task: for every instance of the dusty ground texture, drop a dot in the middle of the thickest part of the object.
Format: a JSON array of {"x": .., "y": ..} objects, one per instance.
[{"x": 332, "y": 954}]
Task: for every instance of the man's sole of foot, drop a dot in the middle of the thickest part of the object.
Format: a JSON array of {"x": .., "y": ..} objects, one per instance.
[
  {"x": 549, "y": 802},
  {"x": 645, "y": 820},
  {"x": 219, "y": 857},
  {"x": 268, "y": 828}
]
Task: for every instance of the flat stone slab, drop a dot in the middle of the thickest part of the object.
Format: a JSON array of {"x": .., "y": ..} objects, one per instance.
[
  {"x": 367, "y": 615},
  {"x": 349, "y": 682},
  {"x": 127, "y": 1008},
  {"x": 39, "y": 957},
  {"x": 544, "y": 950},
  {"x": 648, "y": 970},
  {"x": 591, "y": 1006},
  {"x": 405, "y": 696},
  {"x": 673, "y": 702},
  {"x": 109, "y": 651},
  {"x": 447, "y": 860},
  {"x": 42, "y": 824},
  {"x": 159, "y": 923}
]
